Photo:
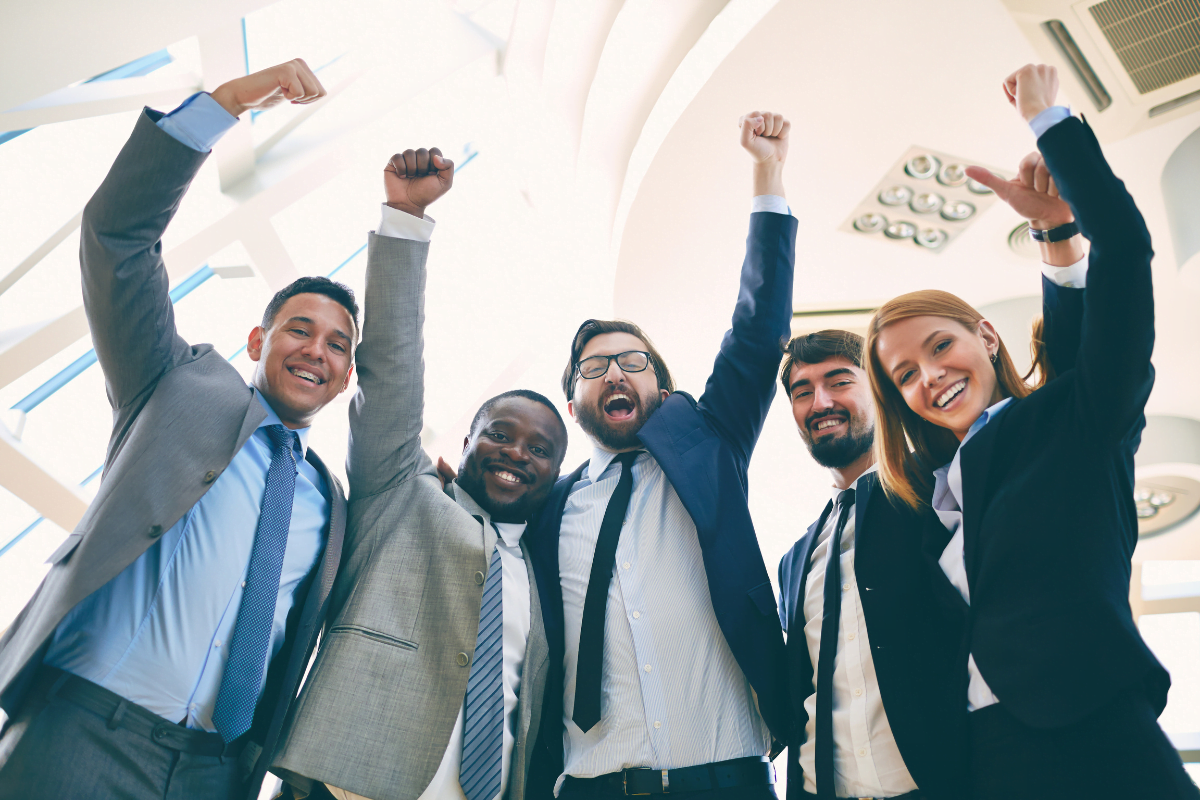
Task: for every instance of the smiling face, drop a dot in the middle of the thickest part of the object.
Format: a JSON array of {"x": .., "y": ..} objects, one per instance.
[
  {"x": 831, "y": 403},
  {"x": 305, "y": 358},
  {"x": 942, "y": 369},
  {"x": 611, "y": 409},
  {"x": 511, "y": 460}
]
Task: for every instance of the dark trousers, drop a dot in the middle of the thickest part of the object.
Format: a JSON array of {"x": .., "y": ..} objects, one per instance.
[
  {"x": 54, "y": 749},
  {"x": 1117, "y": 752},
  {"x": 732, "y": 793}
]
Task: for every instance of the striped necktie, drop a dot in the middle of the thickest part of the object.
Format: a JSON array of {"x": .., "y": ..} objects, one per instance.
[
  {"x": 483, "y": 726},
  {"x": 234, "y": 710}
]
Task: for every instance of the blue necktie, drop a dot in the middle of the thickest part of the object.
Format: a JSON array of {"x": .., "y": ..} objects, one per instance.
[
  {"x": 483, "y": 727},
  {"x": 240, "y": 685}
]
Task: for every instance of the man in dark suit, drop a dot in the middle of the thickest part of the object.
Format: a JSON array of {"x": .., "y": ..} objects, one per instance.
[
  {"x": 874, "y": 645},
  {"x": 658, "y": 603},
  {"x": 160, "y": 654}
]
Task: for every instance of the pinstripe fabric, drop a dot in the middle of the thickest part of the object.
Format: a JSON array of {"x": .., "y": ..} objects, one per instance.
[
  {"x": 672, "y": 693},
  {"x": 483, "y": 723}
]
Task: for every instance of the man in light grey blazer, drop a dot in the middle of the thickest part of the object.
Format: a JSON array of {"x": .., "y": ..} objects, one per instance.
[
  {"x": 160, "y": 654},
  {"x": 430, "y": 678}
]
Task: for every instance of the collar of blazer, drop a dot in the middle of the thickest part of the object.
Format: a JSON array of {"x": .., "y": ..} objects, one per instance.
[{"x": 468, "y": 504}]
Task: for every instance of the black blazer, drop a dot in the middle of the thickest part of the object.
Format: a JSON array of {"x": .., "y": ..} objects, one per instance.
[
  {"x": 704, "y": 449},
  {"x": 915, "y": 618},
  {"x": 1049, "y": 519}
]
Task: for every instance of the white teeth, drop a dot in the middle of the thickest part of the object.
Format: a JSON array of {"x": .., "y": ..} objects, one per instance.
[
  {"x": 828, "y": 423},
  {"x": 305, "y": 374},
  {"x": 950, "y": 394},
  {"x": 508, "y": 476}
]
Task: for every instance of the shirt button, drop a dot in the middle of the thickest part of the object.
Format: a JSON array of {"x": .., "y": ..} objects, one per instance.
[
  {"x": 625, "y": 565},
  {"x": 845, "y": 546},
  {"x": 462, "y": 659},
  {"x": 647, "y": 668},
  {"x": 862, "y": 752},
  {"x": 858, "y": 692},
  {"x": 657, "y": 724},
  {"x": 210, "y": 476},
  {"x": 637, "y": 615},
  {"x": 845, "y": 587},
  {"x": 850, "y": 636},
  {"x": 479, "y": 578},
  {"x": 243, "y": 584},
  {"x": 217, "y": 643},
  {"x": 155, "y": 531}
]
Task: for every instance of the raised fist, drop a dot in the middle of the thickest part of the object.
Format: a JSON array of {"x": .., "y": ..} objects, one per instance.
[
  {"x": 292, "y": 81},
  {"x": 1032, "y": 89},
  {"x": 415, "y": 178},
  {"x": 1032, "y": 194},
  {"x": 765, "y": 136}
]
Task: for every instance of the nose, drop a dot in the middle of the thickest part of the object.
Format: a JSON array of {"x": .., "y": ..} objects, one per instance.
[
  {"x": 932, "y": 374},
  {"x": 822, "y": 400},
  {"x": 515, "y": 452},
  {"x": 615, "y": 374}
]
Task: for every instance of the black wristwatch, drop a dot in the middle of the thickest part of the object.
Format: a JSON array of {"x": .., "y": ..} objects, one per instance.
[{"x": 1058, "y": 234}]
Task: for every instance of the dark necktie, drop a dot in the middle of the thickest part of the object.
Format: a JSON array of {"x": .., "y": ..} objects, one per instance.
[
  {"x": 590, "y": 665},
  {"x": 828, "y": 655},
  {"x": 483, "y": 724},
  {"x": 242, "y": 680}
]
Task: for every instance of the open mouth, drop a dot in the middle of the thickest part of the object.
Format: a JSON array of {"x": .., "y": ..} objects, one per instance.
[
  {"x": 306, "y": 375},
  {"x": 947, "y": 398},
  {"x": 619, "y": 406},
  {"x": 827, "y": 425},
  {"x": 508, "y": 476}
]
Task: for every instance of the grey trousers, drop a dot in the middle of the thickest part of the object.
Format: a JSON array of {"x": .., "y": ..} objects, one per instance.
[{"x": 54, "y": 749}]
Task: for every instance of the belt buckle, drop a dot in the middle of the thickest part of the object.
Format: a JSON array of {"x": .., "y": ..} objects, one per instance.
[{"x": 625, "y": 782}]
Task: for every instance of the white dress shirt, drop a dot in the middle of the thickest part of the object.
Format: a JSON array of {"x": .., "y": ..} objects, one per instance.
[
  {"x": 866, "y": 760},
  {"x": 514, "y": 599},
  {"x": 672, "y": 693}
]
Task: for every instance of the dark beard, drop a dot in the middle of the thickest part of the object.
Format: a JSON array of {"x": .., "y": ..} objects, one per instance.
[
  {"x": 841, "y": 451},
  {"x": 519, "y": 510},
  {"x": 591, "y": 419}
]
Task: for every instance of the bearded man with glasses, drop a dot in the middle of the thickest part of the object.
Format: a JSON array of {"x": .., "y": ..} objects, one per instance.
[{"x": 674, "y": 669}]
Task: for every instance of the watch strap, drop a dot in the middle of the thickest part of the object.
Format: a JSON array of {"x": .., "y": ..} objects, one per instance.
[{"x": 1058, "y": 234}]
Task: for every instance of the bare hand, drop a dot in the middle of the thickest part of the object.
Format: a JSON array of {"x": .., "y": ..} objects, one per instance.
[
  {"x": 445, "y": 472},
  {"x": 1032, "y": 89},
  {"x": 292, "y": 81},
  {"x": 415, "y": 178},
  {"x": 765, "y": 136},
  {"x": 1032, "y": 194}
]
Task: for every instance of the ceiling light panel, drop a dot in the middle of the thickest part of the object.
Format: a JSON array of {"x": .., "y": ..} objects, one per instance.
[{"x": 925, "y": 201}]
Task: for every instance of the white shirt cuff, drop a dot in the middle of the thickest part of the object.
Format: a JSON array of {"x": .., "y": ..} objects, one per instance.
[
  {"x": 1048, "y": 118},
  {"x": 401, "y": 225},
  {"x": 770, "y": 202},
  {"x": 199, "y": 122},
  {"x": 1070, "y": 277}
]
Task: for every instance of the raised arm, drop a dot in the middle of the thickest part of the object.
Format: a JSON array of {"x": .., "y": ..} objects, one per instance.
[
  {"x": 738, "y": 394},
  {"x": 125, "y": 288},
  {"x": 386, "y": 415}
]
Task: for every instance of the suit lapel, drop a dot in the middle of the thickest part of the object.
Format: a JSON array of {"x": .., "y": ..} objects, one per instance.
[
  {"x": 487, "y": 530},
  {"x": 808, "y": 545},
  {"x": 864, "y": 488},
  {"x": 975, "y": 462}
]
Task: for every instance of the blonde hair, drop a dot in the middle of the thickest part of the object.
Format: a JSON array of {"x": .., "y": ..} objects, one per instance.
[{"x": 909, "y": 448}]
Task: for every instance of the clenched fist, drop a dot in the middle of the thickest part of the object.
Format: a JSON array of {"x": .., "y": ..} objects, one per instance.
[
  {"x": 765, "y": 136},
  {"x": 292, "y": 81},
  {"x": 1032, "y": 89},
  {"x": 415, "y": 178}
]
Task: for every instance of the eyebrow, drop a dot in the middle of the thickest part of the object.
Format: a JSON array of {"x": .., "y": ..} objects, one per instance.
[
  {"x": 336, "y": 331},
  {"x": 833, "y": 373}
]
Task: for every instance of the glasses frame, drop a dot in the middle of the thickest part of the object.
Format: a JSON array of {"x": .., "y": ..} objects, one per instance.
[{"x": 649, "y": 363}]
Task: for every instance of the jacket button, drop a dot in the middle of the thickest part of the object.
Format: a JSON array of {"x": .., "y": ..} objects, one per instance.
[
  {"x": 210, "y": 476},
  {"x": 155, "y": 531},
  {"x": 461, "y": 659},
  {"x": 159, "y": 733},
  {"x": 479, "y": 578}
]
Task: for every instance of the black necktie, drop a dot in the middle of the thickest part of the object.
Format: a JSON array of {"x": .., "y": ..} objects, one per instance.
[
  {"x": 590, "y": 664},
  {"x": 829, "y": 644}
]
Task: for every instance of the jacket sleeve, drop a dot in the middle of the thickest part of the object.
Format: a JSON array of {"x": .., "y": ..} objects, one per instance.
[
  {"x": 1113, "y": 373},
  {"x": 125, "y": 286},
  {"x": 1062, "y": 321},
  {"x": 386, "y": 414},
  {"x": 738, "y": 394}
]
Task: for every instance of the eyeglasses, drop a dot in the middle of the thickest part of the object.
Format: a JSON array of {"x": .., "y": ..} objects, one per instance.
[{"x": 629, "y": 361}]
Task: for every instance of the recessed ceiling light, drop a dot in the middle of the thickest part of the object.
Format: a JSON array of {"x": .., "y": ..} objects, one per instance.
[
  {"x": 896, "y": 195},
  {"x": 900, "y": 230},
  {"x": 977, "y": 187},
  {"x": 952, "y": 174},
  {"x": 933, "y": 238},
  {"x": 922, "y": 166},
  {"x": 957, "y": 210},
  {"x": 870, "y": 223},
  {"x": 927, "y": 202}
]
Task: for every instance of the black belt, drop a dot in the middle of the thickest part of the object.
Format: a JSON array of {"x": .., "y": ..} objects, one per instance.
[
  {"x": 913, "y": 795},
  {"x": 752, "y": 771},
  {"x": 122, "y": 713}
]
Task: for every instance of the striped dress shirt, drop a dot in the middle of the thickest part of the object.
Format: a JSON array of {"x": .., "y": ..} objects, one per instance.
[{"x": 672, "y": 694}]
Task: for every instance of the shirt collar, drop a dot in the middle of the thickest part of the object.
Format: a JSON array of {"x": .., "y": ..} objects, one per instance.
[
  {"x": 835, "y": 492},
  {"x": 272, "y": 418},
  {"x": 601, "y": 459},
  {"x": 511, "y": 532},
  {"x": 984, "y": 419}
]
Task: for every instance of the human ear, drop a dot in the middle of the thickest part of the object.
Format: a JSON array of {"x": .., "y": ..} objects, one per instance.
[{"x": 254, "y": 343}]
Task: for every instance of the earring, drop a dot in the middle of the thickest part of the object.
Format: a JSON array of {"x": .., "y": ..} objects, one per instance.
[{"x": 995, "y": 356}]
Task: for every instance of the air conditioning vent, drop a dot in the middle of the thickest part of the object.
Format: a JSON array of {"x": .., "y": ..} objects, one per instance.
[{"x": 1156, "y": 41}]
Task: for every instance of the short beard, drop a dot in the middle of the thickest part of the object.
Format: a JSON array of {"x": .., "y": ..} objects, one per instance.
[
  {"x": 591, "y": 419},
  {"x": 838, "y": 452},
  {"x": 471, "y": 482}
]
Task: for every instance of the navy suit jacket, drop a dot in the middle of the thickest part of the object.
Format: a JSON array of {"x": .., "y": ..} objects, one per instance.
[
  {"x": 1049, "y": 521},
  {"x": 704, "y": 449},
  {"x": 916, "y": 621}
]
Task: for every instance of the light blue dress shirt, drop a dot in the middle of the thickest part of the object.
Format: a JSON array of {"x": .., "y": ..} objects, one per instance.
[
  {"x": 199, "y": 122},
  {"x": 158, "y": 633}
]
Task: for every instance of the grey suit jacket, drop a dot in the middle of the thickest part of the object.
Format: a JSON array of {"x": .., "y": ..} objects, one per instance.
[
  {"x": 180, "y": 413},
  {"x": 376, "y": 714}
]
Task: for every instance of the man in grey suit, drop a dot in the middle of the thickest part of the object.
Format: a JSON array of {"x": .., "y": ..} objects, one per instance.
[
  {"x": 160, "y": 654},
  {"x": 430, "y": 679}
]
